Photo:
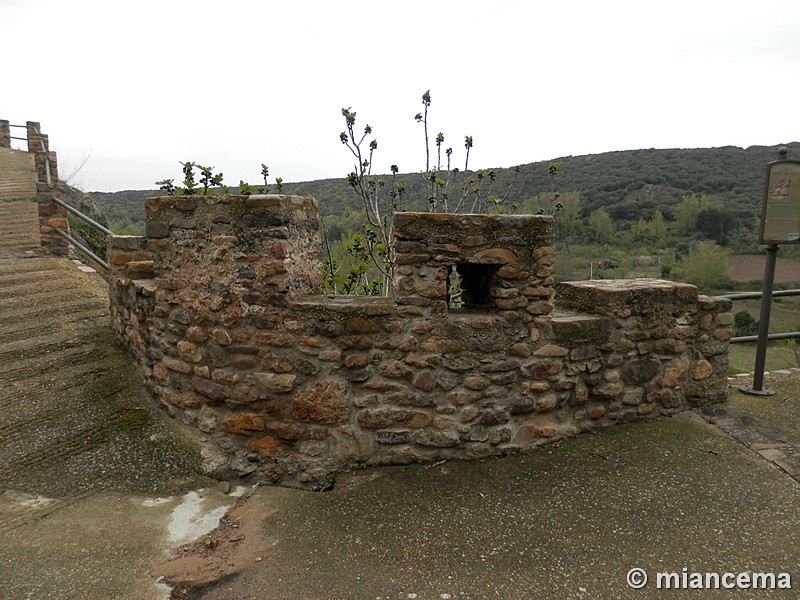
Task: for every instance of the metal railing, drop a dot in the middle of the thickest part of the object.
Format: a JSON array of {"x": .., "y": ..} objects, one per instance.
[
  {"x": 21, "y": 139},
  {"x": 763, "y": 337},
  {"x": 746, "y": 339},
  {"x": 101, "y": 228}
]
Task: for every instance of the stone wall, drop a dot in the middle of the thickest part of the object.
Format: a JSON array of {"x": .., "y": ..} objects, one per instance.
[{"x": 222, "y": 305}]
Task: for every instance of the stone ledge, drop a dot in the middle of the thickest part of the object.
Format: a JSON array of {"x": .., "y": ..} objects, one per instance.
[{"x": 631, "y": 296}]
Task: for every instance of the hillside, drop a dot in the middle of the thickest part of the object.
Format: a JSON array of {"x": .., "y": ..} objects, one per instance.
[{"x": 629, "y": 184}]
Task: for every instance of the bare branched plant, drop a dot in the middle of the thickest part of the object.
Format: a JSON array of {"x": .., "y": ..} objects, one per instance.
[{"x": 370, "y": 254}]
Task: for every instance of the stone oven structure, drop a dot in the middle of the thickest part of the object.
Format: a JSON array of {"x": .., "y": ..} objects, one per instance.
[{"x": 222, "y": 304}]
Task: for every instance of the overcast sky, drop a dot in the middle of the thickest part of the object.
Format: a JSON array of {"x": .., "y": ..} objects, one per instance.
[{"x": 132, "y": 88}]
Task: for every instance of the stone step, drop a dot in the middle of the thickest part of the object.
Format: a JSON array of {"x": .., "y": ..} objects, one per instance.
[
  {"x": 17, "y": 174},
  {"x": 19, "y": 226},
  {"x": 25, "y": 329}
]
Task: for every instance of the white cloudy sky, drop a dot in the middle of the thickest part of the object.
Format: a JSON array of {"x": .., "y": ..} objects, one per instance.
[{"x": 132, "y": 88}]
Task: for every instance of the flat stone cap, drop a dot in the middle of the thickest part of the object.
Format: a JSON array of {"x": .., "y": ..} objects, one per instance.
[{"x": 609, "y": 296}]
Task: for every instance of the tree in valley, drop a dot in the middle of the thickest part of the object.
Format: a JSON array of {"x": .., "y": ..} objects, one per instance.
[
  {"x": 706, "y": 266},
  {"x": 601, "y": 225}
]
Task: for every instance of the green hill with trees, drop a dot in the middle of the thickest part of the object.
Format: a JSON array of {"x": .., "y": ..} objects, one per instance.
[{"x": 629, "y": 185}]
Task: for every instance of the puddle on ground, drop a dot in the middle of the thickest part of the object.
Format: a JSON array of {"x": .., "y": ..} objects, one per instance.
[
  {"x": 190, "y": 519},
  {"x": 16, "y": 499}
]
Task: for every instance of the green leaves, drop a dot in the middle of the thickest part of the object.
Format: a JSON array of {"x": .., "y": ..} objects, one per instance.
[
  {"x": 245, "y": 189},
  {"x": 166, "y": 185},
  {"x": 209, "y": 182}
]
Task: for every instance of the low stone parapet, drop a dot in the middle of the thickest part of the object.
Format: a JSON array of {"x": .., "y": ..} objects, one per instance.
[{"x": 223, "y": 308}]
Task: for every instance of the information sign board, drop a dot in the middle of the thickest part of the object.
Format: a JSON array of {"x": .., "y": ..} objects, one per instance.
[{"x": 780, "y": 216}]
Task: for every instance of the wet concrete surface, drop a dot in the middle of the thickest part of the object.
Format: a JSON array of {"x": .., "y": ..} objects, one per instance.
[{"x": 564, "y": 522}]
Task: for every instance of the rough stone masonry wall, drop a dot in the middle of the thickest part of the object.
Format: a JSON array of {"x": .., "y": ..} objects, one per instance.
[{"x": 223, "y": 307}]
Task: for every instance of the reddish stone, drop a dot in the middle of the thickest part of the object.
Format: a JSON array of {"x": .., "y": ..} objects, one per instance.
[
  {"x": 271, "y": 382},
  {"x": 266, "y": 446},
  {"x": 280, "y": 250},
  {"x": 284, "y": 431},
  {"x": 275, "y": 339},
  {"x": 511, "y": 303},
  {"x": 243, "y": 423},
  {"x": 536, "y": 430},
  {"x": 520, "y": 349},
  {"x": 160, "y": 373},
  {"x": 460, "y": 398},
  {"x": 212, "y": 391},
  {"x": 476, "y": 383},
  {"x": 409, "y": 259},
  {"x": 181, "y": 399},
  {"x": 57, "y": 222},
  {"x": 425, "y": 381},
  {"x": 541, "y": 370},
  {"x": 393, "y": 417},
  {"x": 409, "y": 344},
  {"x": 314, "y": 342},
  {"x": 545, "y": 403},
  {"x": 702, "y": 370},
  {"x": 196, "y": 334},
  {"x": 434, "y": 289},
  {"x": 597, "y": 413},
  {"x": 508, "y": 272},
  {"x": 422, "y": 327},
  {"x": 277, "y": 364},
  {"x": 608, "y": 390},
  {"x": 120, "y": 258},
  {"x": 224, "y": 377},
  {"x": 189, "y": 352},
  {"x": 322, "y": 402},
  {"x": 356, "y": 361},
  {"x": 174, "y": 364},
  {"x": 395, "y": 369},
  {"x": 496, "y": 255},
  {"x": 244, "y": 363},
  {"x": 356, "y": 342},
  {"x": 359, "y": 325},
  {"x": 220, "y": 336},
  {"x": 676, "y": 372}
]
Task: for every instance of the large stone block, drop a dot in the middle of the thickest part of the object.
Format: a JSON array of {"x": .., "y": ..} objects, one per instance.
[{"x": 323, "y": 402}]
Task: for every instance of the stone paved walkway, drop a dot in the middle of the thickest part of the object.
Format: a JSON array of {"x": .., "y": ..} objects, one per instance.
[{"x": 768, "y": 425}]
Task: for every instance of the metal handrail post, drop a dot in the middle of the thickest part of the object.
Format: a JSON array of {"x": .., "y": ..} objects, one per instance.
[
  {"x": 763, "y": 327},
  {"x": 83, "y": 217},
  {"x": 81, "y": 247}
]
